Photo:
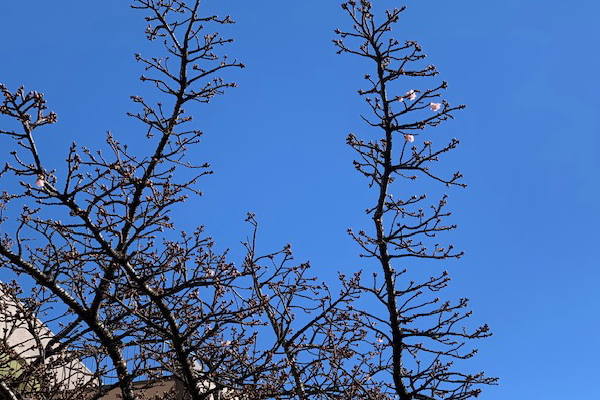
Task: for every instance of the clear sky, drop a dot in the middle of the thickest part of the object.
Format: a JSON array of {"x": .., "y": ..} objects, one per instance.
[{"x": 528, "y": 221}]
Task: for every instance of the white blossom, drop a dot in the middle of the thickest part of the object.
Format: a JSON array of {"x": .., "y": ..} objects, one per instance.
[{"x": 435, "y": 106}]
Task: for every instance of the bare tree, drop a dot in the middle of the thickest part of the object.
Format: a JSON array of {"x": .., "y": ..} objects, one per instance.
[
  {"x": 104, "y": 259},
  {"x": 138, "y": 303},
  {"x": 420, "y": 336},
  {"x": 145, "y": 303}
]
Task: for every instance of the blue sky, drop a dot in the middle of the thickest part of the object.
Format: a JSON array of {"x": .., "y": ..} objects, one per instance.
[{"x": 529, "y": 152}]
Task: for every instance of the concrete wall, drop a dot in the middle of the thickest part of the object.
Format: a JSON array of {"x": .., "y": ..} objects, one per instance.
[{"x": 27, "y": 338}]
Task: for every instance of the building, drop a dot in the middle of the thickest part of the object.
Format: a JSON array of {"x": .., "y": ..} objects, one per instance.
[{"x": 23, "y": 337}]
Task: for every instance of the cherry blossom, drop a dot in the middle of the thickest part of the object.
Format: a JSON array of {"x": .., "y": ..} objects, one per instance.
[
  {"x": 411, "y": 94},
  {"x": 409, "y": 138},
  {"x": 435, "y": 106},
  {"x": 40, "y": 182}
]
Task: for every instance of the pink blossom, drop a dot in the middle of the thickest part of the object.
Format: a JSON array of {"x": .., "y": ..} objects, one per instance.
[
  {"x": 40, "y": 181},
  {"x": 435, "y": 106},
  {"x": 409, "y": 138},
  {"x": 411, "y": 94}
]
